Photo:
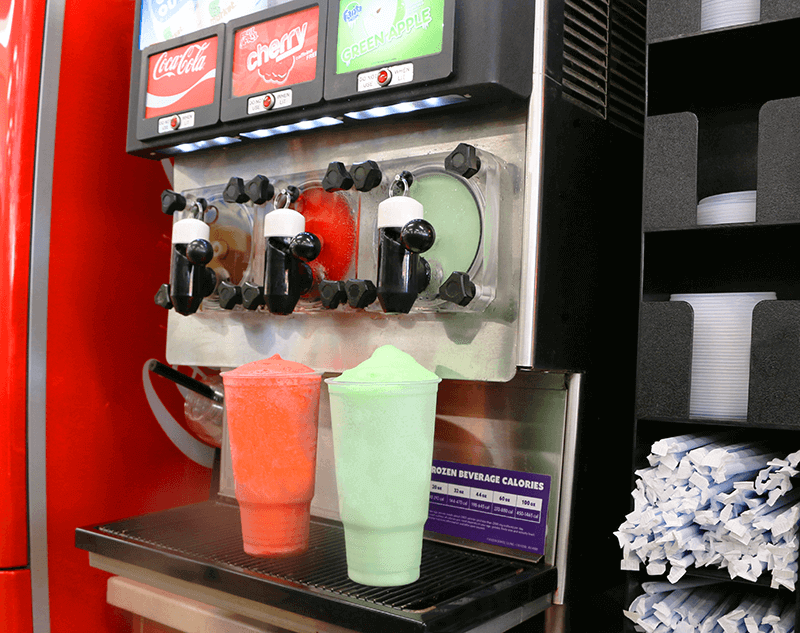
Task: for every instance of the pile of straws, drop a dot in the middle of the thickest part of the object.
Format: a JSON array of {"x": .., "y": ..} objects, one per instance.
[
  {"x": 707, "y": 502},
  {"x": 699, "y": 607}
]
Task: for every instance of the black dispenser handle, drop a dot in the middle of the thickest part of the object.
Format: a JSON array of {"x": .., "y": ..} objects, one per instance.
[
  {"x": 418, "y": 236},
  {"x": 185, "y": 381}
]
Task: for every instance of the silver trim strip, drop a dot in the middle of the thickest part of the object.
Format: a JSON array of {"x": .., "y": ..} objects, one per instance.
[
  {"x": 258, "y": 611},
  {"x": 37, "y": 312},
  {"x": 513, "y": 618},
  {"x": 567, "y": 483},
  {"x": 533, "y": 187}
]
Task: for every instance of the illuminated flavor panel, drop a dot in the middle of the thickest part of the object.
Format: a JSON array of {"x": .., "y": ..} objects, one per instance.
[
  {"x": 179, "y": 84},
  {"x": 274, "y": 60},
  {"x": 182, "y": 78},
  {"x": 163, "y": 20},
  {"x": 381, "y": 32},
  {"x": 276, "y": 53}
]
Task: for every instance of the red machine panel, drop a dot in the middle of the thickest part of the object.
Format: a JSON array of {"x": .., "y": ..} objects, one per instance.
[
  {"x": 107, "y": 457},
  {"x": 15, "y": 601},
  {"x": 181, "y": 78},
  {"x": 20, "y": 61},
  {"x": 256, "y": 66}
]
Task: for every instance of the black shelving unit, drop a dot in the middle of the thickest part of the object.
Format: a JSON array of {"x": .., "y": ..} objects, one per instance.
[{"x": 723, "y": 116}]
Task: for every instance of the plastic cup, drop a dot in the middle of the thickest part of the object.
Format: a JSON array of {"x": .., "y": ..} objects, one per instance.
[
  {"x": 383, "y": 450},
  {"x": 721, "y": 352},
  {"x": 715, "y": 14},
  {"x": 272, "y": 428}
]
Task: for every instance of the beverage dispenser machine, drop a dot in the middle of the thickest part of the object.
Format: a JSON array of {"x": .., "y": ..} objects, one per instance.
[{"x": 457, "y": 178}]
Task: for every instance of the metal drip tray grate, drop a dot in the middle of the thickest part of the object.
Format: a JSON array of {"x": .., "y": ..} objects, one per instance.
[{"x": 202, "y": 543}]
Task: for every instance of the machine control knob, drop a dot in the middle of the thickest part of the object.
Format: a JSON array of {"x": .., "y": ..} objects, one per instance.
[
  {"x": 172, "y": 201},
  {"x": 252, "y": 295},
  {"x": 199, "y": 252},
  {"x": 360, "y": 292},
  {"x": 424, "y": 278},
  {"x": 230, "y": 295},
  {"x": 209, "y": 281},
  {"x": 234, "y": 191},
  {"x": 287, "y": 196},
  {"x": 305, "y": 246},
  {"x": 333, "y": 293},
  {"x": 337, "y": 178},
  {"x": 162, "y": 297},
  {"x": 294, "y": 193},
  {"x": 259, "y": 189},
  {"x": 463, "y": 160},
  {"x": 418, "y": 236},
  {"x": 402, "y": 183},
  {"x": 306, "y": 279},
  {"x": 457, "y": 288},
  {"x": 366, "y": 175}
]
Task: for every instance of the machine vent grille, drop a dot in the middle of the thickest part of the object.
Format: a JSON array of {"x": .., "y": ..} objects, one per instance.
[
  {"x": 604, "y": 59},
  {"x": 626, "y": 95},
  {"x": 585, "y": 72}
]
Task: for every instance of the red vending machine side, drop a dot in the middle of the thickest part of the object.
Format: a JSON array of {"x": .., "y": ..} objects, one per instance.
[
  {"x": 106, "y": 455},
  {"x": 87, "y": 248},
  {"x": 21, "y": 25}
]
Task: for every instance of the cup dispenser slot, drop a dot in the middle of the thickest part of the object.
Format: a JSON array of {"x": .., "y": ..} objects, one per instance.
[
  {"x": 775, "y": 364},
  {"x": 665, "y": 363},
  {"x": 670, "y": 19},
  {"x": 665, "y": 359},
  {"x": 687, "y": 160}
]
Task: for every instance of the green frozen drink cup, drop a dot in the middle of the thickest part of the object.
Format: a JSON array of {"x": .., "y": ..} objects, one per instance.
[{"x": 382, "y": 417}]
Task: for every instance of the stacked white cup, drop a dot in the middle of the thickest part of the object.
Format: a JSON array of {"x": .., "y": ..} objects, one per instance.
[
  {"x": 721, "y": 352},
  {"x": 727, "y": 208},
  {"x": 716, "y": 14}
]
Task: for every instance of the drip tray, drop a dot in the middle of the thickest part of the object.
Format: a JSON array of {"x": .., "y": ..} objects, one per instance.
[{"x": 457, "y": 590}]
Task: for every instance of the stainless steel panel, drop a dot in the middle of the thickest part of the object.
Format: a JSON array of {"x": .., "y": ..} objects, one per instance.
[
  {"x": 567, "y": 487},
  {"x": 264, "y": 614},
  {"x": 533, "y": 188},
  {"x": 187, "y": 606},
  {"x": 458, "y": 346},
  {"x": 519, "y": 425}
]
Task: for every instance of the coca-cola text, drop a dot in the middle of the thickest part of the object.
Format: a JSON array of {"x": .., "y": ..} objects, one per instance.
[{"x": 192, "y": 59}]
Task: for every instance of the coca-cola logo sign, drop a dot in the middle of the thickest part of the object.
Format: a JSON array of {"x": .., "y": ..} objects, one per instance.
[
  {"x": 276, "y": 53},
  {"x": 192, "y": 59},
  {"x": 182, "y": 78}
]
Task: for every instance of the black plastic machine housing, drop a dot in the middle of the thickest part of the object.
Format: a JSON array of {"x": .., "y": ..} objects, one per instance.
[{"x": 492, "y": 61}]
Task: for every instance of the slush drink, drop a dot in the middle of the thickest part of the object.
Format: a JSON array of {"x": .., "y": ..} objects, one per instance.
[
  {"x": 382, "y": 417},
  {"x": 272, "y": 407}
]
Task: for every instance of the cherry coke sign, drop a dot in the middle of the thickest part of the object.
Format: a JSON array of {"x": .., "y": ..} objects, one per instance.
[
  {"x": 182, "y": 78},
  {"x": 276, "y": 53}
]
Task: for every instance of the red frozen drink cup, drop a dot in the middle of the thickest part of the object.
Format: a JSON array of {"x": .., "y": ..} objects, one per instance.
[{"x": 272, "y": 410}]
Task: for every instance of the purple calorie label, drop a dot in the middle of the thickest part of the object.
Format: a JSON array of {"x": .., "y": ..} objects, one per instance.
[{"x": 489, "y": 505}]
